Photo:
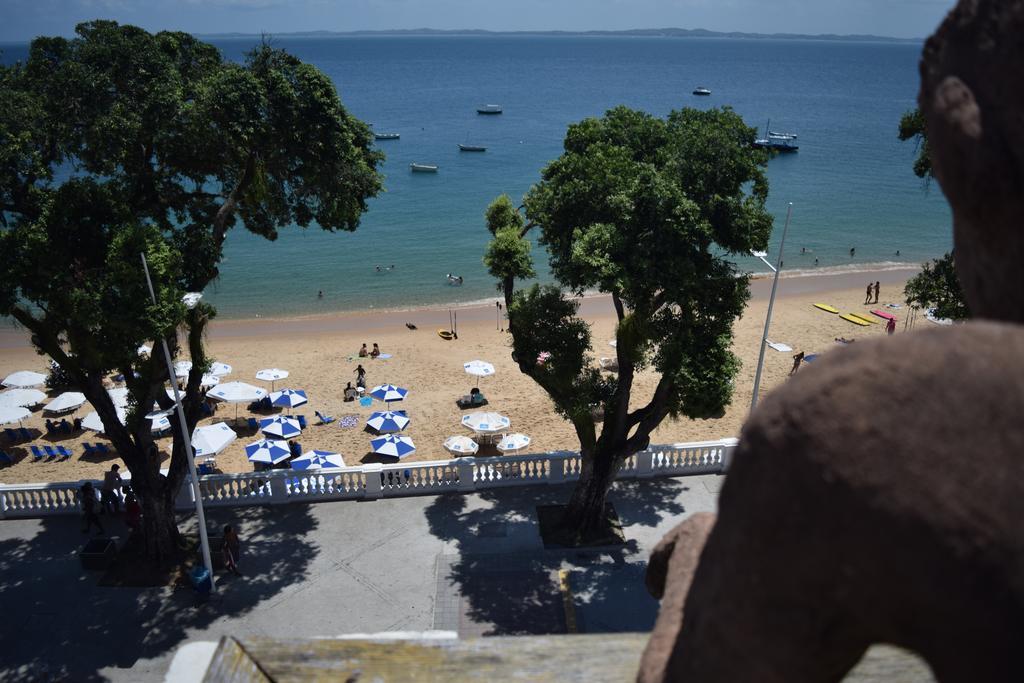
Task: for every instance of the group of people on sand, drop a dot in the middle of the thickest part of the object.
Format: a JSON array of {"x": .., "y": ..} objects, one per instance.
[
  {"x": 364, "y": 352},
  {"x": 873, "y": 289}
]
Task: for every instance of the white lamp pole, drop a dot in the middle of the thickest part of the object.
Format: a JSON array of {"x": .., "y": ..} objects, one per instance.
[
  {"x": 771, "y": 303},
  {"x": 204, "y": 541}
]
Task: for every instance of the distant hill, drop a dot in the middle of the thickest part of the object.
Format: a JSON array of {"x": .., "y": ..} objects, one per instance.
[{"x": 636, "y": 32}]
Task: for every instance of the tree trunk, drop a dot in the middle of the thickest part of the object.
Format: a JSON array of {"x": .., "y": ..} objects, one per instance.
[
  {"x": 159, "y": 527},
  {"x": 584, "y": 515}
]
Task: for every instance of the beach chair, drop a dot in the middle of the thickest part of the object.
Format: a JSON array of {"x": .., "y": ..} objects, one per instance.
[
  {"x": 102, "y": 449},
  {"x": 253, "y": 424},
  {"x": 64, "y": 452},
  {"x": 87, "y": 448},
  {"x": 296, "y": 448},
  {"x": 50, "y": 452},
  {"x": 302, "y": 421},
  {"x": 37, "y": 453},
  {"x": 324, "y": 419}
]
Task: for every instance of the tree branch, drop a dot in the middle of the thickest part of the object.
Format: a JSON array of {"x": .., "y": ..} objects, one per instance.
[{"x": 227, "y": 209}]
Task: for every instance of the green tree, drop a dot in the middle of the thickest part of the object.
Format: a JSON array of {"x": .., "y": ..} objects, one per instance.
[
  {"x": 642, "y": 209},
  {"x": 120, "y": 142},
  {"x": 936, "y": 286}
]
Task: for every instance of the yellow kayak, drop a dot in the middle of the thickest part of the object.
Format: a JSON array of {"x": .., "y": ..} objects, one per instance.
[
  {"x": 853, "y": 319},
  {"x": 826, "y": 307}
]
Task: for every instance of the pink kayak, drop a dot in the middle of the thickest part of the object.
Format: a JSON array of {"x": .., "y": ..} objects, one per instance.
[{"x": 883, "y": 314}]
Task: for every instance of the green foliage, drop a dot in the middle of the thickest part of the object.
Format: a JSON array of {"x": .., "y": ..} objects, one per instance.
[
  {"x": 938, "y": 287},
  {"x": 912, "y": 128},
  {"x": 502, "y": 213}
]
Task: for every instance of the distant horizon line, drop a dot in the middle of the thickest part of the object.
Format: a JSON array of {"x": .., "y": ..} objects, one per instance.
[{"x": 636, "y": 32}]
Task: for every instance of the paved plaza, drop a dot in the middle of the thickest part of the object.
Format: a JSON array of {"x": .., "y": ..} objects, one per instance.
[{"x": 473, "y": 564}]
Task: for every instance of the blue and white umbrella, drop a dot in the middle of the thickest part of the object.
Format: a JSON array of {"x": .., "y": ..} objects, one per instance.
[
  {"x": 513, "y": 442},
  {"x": 289, "y": 398},
  {"x": 461, "y": 445},
  {"x": 388, "y": 421},
  {"x": 315, "y": 460},
  {"x": 269, "y": 451},
  {"x": 486, "y": 422},
  {"x": 394, "y": 446},
  {"x": 280, "y": 427},
  {"x": 388, "y": 393}
]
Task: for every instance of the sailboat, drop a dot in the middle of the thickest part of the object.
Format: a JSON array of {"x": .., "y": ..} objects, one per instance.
[{"x": 778, "y": 142}]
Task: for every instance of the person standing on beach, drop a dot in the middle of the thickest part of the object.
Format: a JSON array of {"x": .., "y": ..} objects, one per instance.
[
  {"x": 878, "y": 288},
  {"x": 867, "y": 296},
  {"x": 890, "y": 327},
  {"x": 797, "y": 359}
]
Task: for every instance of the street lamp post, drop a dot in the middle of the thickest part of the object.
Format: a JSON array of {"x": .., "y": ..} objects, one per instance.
[
  {"x": 204, "y": 541},
  {"x": 771, "y": 303}
]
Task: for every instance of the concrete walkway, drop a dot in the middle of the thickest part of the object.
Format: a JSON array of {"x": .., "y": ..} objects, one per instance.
[{"x": 473, "y": 564}]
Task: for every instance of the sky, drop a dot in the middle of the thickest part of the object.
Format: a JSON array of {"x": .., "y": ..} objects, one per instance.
[{"x": 21, "y": 20}]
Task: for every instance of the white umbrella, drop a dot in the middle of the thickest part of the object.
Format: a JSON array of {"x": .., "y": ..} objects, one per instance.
[
  {"x": 212, "y": 439},
  {"x": 119, "y": 396},
  {"x": 271, "y": 375},
  {"x": 486, "y": 422},
  {"x": 144, "y": 350},
  {"x": 461, "y": 445},
  {"x": 513, "y": 442},
  {"x": 22, "y": 398},
  {"x": 478, "y": 368},
  {"x": 12, "y": 414},
  {"x": 236, "y": 392},
  {"x": 220, "y": 369},
  {"x": 209, "y": 380},
  {"x": 92, "y": 420},
  {"x": 182, "y": 368},
  {"x": 69, "y": 400},
  {"x": 24, "y": 379}
]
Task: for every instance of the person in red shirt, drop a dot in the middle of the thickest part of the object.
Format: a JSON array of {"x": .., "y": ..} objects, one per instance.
[{"x": 132, "y": 512}]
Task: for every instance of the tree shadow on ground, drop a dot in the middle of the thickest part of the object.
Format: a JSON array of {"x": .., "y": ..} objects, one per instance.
[
  {"x": 502, "y": 581},
  {"x": 60, "y": 625}
]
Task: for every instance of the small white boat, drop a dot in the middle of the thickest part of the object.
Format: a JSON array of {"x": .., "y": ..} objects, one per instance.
[
  {"x": 423, "y": 168},
  {"x": 489, "y": 109},
  {"x": 701, "y": 91},
  {"x": 386, "y": 136}
]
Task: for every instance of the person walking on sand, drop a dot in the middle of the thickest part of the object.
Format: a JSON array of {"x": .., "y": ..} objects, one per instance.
[
  {"x": 878, "y": 288},
  {"x": 89, "y": 516},
  {"x": 867, "y": 295},
  {"x": 360, "y": 376},
  {"x": 797, "y": 359},
  {"x": 231, "y": 548},
  {"x": 890, "y": 327}
]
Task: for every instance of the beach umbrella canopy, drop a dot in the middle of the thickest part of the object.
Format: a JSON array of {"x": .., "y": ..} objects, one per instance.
[
  {"x": 479, "y": 368},
  {"x": 388, "y": 393},
  {"x": 209, "y": 380},
  {"x": 69, "y": 400},
  {"x": 289, "y": 398},
  {"x": 22, "y": 398},
  {"x": 269, "y": 451},
  {"x": 236, "y": 392},
  {"x": 513, "y": 442},
  {"x": 220, "y": 369},
  {"x": 461, "y": 445},
  {"x": 12, "y": 414},
  {"x": 212, "y": 439},
  {"x": 119, "y": 396},
  {"x": 92, "y": 420},
  {"x": 315, "y": 460},
  {"x": 486, "y": 422},
  {"x": 388, "y": 421},
  {"x": 182, "y": 368},
  {"x": 393, "y": 446},
  {"x": 280, "y": 427},
  {"x": 24, "y": 379},
  {"x": 160, "y": 423}
]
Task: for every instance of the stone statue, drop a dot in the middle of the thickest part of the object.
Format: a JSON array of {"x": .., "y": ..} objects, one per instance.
[{"x": 879, "y": 497}]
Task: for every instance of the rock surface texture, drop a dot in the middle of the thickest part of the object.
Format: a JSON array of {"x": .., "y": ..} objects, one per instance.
[{"x": 879, "y": 495}]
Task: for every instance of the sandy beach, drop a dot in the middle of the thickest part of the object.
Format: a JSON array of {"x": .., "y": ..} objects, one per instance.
[{"x": 318, "y": 353}]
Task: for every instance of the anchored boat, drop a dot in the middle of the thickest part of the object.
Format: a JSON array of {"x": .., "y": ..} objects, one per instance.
[
  {"x": 778, "y": 142},
  {"x": 701, "y": 91},
  {"x": 489, "y": 109},
  {"x": 423, "y": 168},
  {"x": 386, "y": 136},
  {"x": 472, "y": 148}
]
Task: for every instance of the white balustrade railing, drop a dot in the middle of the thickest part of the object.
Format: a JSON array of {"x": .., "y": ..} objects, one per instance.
[{"x": 374, "y": 481}]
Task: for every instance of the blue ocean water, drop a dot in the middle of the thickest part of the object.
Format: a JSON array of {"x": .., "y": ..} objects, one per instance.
[{"x": 851, "y": 183}]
